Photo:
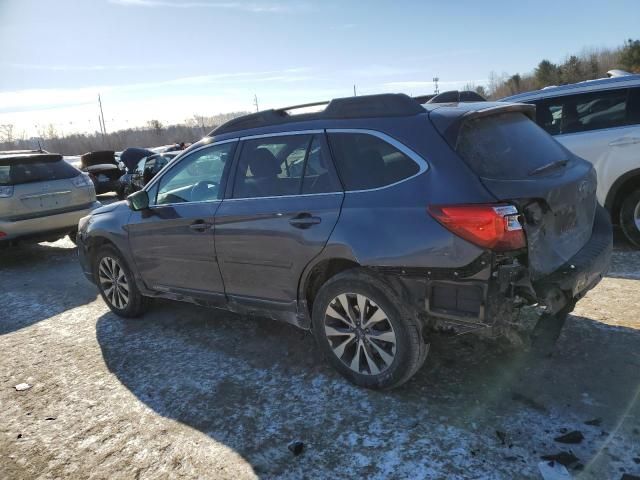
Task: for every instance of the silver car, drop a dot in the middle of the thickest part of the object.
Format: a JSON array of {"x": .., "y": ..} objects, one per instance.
[{"x": 42, "y": 197}]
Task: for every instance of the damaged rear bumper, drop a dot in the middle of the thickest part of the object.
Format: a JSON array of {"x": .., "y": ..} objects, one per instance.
[
  {"x": 489, "y": 292},
  {"x": 582, "y": 272}
]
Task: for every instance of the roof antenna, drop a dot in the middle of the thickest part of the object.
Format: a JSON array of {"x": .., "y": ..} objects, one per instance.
[
  {"x": 255, "y": 102},
  {"x": 354, "y": 90},
  {"x": 40, "y": 147}
]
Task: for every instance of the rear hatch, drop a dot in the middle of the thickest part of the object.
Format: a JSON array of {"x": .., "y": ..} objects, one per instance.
[
  {"x": 520, "y": 164},
  {"x": 40, "y": 185}
]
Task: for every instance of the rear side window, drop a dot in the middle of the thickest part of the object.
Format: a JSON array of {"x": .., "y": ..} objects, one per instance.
[
  {"x": 507, "y": 145},
  {"x": 585, "y": 112},
  {"x": 34, "y": 171},
  {"x": 365, "y": 161},
  {"x": 284, "y": 165}
]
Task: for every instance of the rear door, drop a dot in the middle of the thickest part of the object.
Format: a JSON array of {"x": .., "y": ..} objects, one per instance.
[
  {"x": 285, "y": 202},
  {"x": 601, "y": 127},
  {"x": 555, "y": 190},
  {"x": 172, "y": 242}
]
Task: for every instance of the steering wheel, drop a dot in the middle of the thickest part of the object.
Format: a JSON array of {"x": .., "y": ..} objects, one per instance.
[{"x": 202, "y": 190}]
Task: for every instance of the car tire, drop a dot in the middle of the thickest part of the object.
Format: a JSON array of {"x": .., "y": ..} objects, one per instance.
[
  {"x": 117, "y": 284},
  {"x": 380, "y": 347},
  {"x": 630, "y": 217}
]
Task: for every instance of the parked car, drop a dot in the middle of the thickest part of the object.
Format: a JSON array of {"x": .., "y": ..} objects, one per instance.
[
  {"x": 41, "y": 197},
  {"x": 128, "y": 160},
  {"x": 102, "y": 167},
  {"x": 371, "y": 222},
  {"x": 174, "y": 147},
  {"x": 144, "y": 171},
  {"x": 599, "y": 120}
]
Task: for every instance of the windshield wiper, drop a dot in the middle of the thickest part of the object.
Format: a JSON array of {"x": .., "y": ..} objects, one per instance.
[{"x": 547, "y": 167}]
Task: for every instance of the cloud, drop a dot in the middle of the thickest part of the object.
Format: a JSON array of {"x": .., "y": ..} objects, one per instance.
[
  {"x": 344, "y": 26},
  {"x": 222, "y": 5},
  {"x": 85, "y": 68},
  {"x": 36, "y": 99}
]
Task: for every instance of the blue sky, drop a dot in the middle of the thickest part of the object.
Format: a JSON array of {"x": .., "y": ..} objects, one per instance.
[{"x": 171, "y": 59}]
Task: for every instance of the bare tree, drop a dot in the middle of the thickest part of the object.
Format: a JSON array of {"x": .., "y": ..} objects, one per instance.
[{"x": 6, "y": 133}]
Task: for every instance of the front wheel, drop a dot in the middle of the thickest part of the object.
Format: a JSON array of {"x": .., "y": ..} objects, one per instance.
[
  {"x": 364, "y": 331},
  {"x": 117, "y": 284},
  {"x": 630, "y": 217}
]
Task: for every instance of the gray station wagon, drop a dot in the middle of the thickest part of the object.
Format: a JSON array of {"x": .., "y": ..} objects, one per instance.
[{"x": 371, "y": 222}]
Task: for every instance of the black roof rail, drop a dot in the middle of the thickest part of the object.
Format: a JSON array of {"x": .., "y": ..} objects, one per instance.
[
  {"x": 455, "y": 96},
  {"x": 381, "y": 105}
]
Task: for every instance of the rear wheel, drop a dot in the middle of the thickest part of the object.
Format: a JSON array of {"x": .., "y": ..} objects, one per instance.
[
  {"x": 630, "y": 217},
  {"x": 117, "y": 284},
  {"x": 365, "y": 332}
]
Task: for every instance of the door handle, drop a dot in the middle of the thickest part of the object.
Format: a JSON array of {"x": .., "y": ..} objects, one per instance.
[
  {"x": 304, "y": 220},
  {"x": 624, "y": 141},
  {"x": 200, "y": 226}
]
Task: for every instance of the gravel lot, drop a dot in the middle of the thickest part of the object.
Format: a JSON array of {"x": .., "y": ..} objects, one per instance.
[{"x": 197, "y": 393}]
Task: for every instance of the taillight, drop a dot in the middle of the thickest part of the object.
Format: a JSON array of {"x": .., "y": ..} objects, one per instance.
[{"x": 496, "y": 227}]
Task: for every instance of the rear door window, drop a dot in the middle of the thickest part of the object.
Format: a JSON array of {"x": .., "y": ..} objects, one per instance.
[
  {"x": 584, "y": 112},
  {"x": 14, "y": 173},
  {"x": 365, "y": 161},
  {"x": 507, "y": 146},
  {"x": 319, "y": 175},
  {"x": 271, "y": 166}
]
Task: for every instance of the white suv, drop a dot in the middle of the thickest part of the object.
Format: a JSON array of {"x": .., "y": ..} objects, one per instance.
[{"x": 599, "y": 120}]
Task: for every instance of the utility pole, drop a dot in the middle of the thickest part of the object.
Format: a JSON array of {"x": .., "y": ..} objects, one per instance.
[
  {"x": 255, "y": 102},
  {"x": 435, "y": 81},
  {"x": 104, "y": 127},
  {"x": 354, "y": 90}
]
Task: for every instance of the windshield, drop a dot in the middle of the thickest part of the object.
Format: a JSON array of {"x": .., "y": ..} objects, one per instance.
[{"x": 507, "y": 145}]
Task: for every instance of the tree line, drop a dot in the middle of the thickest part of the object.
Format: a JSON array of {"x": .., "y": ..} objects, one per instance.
[
  {"x": 587, "y": 65},
  {"x": 153, "y": 134}
]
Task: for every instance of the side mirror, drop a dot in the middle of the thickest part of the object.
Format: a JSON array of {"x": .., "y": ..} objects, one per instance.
[{"x": 138, "y": 201}]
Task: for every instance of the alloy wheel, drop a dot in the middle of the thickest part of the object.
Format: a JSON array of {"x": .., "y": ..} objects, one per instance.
[
  {"x": 636, "y": 216},
  {"x": 360, "y": 333},
  {"x": 113, "y": 282}
]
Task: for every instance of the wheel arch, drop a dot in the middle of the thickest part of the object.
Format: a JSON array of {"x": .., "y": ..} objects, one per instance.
[
  {"x": 622, "y": 187},
  {"x": 318, "y": 274}
]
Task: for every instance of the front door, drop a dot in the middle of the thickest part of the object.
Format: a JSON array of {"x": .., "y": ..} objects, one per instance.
[
  {"x": 285, "y": 202},
  {"x": 173, "y": 241}
]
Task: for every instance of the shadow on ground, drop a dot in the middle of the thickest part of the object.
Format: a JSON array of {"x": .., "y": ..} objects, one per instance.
[
  {"x": 34, "y": 283},
  {"x": 256, "y": 385}
]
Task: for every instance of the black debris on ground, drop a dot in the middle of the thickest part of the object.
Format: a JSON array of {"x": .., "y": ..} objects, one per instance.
[
  {"x": 563, "y": 458},
  {"x": 596, "y": 422},
  {"x": 571, "y": 437},
  {"x": 296, "y": 447},
  {"x": 628, "y": 476}
]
